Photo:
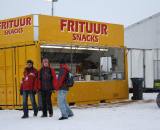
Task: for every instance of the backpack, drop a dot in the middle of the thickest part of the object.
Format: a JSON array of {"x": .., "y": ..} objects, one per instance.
[{"x": 69, "y": 80}]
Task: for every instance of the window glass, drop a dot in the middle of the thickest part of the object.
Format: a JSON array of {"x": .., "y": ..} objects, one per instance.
[
  {"x": 112, "y": 64},
  {"x": 89, "y": 64}
]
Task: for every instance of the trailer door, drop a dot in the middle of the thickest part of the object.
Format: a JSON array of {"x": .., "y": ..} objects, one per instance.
[
  {"x": 7, "y": 77},
  {"x": 24, "y": 53},
  {"x": 12, "y": 64}
]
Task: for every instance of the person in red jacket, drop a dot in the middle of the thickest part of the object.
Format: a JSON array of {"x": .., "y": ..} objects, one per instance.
[
  {"x": 47, "y": 84},
  {"x": 28, "y": 87},
  {"x": 63, "y": 90}
]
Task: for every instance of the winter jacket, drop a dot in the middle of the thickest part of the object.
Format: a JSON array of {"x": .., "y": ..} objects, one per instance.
[
  {"x": 29, "y": 79},
  {"x": 64, "y": 69},
  {"x": 47, "y": 80}
]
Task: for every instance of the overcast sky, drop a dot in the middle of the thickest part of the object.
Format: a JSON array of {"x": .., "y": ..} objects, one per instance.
[{"x": 124, "y": 12}]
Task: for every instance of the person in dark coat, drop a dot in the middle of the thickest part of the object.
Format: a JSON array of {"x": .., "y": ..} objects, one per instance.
[
  {"x": 47, "y": 84},
  {"x": 29, "y": 88},
  {"x": 62, "y": 91}
]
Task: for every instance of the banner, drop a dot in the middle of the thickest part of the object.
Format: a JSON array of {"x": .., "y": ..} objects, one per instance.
[
  {"x": 16, "y": 30},
  {"x": 61, "y": 30}
]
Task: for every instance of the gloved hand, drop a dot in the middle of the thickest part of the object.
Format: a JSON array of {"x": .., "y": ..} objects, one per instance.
[{"x": 21, "y": 92}]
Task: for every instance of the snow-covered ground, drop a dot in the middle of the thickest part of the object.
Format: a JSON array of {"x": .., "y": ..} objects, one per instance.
[{"x": 133, "y": 116}]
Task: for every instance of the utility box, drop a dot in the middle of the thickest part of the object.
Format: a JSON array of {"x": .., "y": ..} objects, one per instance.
[{"x": 81, "y": 43}]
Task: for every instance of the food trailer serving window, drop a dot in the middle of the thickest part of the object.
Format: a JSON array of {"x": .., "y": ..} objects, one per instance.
[{"x": 88, "y": 63}]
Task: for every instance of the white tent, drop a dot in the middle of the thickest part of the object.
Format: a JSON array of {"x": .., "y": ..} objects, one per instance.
[{"x": 143, "y": 42}]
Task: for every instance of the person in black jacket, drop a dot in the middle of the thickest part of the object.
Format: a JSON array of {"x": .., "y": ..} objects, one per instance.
[{"x": 47, "y": 84}]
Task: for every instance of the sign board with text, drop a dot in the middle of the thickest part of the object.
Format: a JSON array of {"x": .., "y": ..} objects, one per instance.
[
  {"x": 16, "y": 30},
  {"x": 59, "y": 30}
]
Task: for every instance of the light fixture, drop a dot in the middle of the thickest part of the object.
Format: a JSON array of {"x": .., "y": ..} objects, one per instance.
[
  {"x": 52, "y": 10},
  {"x": 73, "y": 47}
]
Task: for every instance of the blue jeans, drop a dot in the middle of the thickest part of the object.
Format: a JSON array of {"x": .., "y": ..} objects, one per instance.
[
  {"x": 25, "y": 102},
  {"x": 62, "y": 103}
]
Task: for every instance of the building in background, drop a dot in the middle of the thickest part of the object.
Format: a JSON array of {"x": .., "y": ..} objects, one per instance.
[{"x": 143, "y": 42}]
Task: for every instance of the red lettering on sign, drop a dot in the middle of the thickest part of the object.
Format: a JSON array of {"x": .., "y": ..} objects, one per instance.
[
  {"x": 29, "y": 21},
  {"x": 83, "y": 27},
  {"x": 104, "y": 29},
  {"x": 71, "y": 25},
  {"x": 85, "y": 38},
  {"x": 84, "y": 31},
  {"x": 89, "y": 27},
  {"x": 76, "y": 26},
  {"x": 97, "y": 28},
  {"x": 63, "y": 24},
  {"x": 13, "y": 31},
  {"x": 16, "y": 23}
]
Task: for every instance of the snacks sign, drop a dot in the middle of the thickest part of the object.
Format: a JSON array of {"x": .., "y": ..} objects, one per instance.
[
  {"x": 15, "y": 26},
  {"x": 83, "y": 31},
  {"x": 61, "y": 30},
  {"x": 16, "y": 30}
]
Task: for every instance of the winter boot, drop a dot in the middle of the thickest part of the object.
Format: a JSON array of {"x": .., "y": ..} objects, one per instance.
[
  {"x": 63, "y": 118},
  {"x": 70, "y": 115},
  {"x": 50, "y": 115},
  {"x": 44, "y": 115},
  {"x": 24, "y": 116},
  {"x": 35, "y": 113}
]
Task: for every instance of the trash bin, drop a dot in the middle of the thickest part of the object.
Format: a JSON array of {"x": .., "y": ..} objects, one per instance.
[
  {"x": 137, "y": 84},
  {"x": 158, "y": 100}
]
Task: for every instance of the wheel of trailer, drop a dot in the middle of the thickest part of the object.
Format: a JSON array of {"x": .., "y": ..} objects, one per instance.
[{"x": 158, "y": 100}]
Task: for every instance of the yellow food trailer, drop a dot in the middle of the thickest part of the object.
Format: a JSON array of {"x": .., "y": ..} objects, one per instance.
[{"x": 94, "y": 51}]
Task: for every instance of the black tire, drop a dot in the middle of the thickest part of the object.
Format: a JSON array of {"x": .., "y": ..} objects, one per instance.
[{"x": 158, "y": 100}]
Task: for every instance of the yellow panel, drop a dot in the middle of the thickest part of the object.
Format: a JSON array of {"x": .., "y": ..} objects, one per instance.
[
  {"x": 22, "y": 55},
  {"x": 10, "y": 95},
  {"x": 3, "y": 100},
  {"x": 2, "y": 67},
  {"x": 7, "y": 86},
  {"x": 92, "y": 91},
  {"x": 95, "y": 92},
  {"x": 2, "y": 76},
  {"x": 20, "y": 65},
  {"x": 58, "y": 30},
  {"x": 33, "y": 53},
  {"x": 21, "y": 51},
  {"x": 9, "y": 57},
  {"x": 10, "y": 76},
  {"x": 9, "y": 67},
  {"x": 2, "y": 57},
  {"x": 16, "y": 31}
]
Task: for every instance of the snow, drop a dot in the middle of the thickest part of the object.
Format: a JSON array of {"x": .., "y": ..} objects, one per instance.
[{"x": 140, "y": 115}]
